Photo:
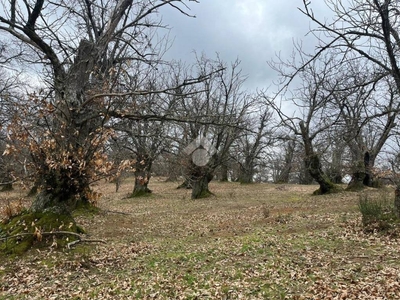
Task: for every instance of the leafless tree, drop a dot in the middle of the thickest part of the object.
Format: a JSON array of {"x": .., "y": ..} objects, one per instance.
[
  {"x": 281, "y": 161},
  {"x": 252, "y": 144},
  {"x": 223, "y": 105},
  {"x": 364, "y": 33},
  {"x": 368, "y": 117},
  {"x": 85, "y": 49},
  {"x": 315, "y": 111}
]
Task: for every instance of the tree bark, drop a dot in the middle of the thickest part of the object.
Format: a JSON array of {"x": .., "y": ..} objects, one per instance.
[
  {"x": 224, "y": 172},
  {"x": 362, "y": 175},
  {"x": 200, "y": 185},
  {"x": 369, "y": 162},
  {"x": 284, "y": 173},
  {"x": 63, "y": 191},
  {"x": 67, "y": 163},
  {"x": 313, "y": 164},
  {"x": 397, "y": 200},
  {"x": 246, "y": 174},
  {"x": 283, "y": 176},
  {"x": 314, "y": 167},
  {"x": 142, "y": 175}
]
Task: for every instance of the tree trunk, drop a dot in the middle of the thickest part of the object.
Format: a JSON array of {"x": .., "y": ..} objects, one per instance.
[
  {"x": 397, "y": 199},
  {"x": 284, "y": 173},
  {"x": 200, "y": 185},
  {"x": 362, "y": 175},
  {"x": 304, "y": 175},
  {"x": 142, "y": 175},
  {"x": 357, "y": 181},
  {"x": 283, "y": 176},
  {"x": 369, "y": 162},
  {"x": 313, "y": 165},
  {"x": 224, "y": 172},
  {"x": 189, "y": 176},
  {"x": 246, "y": 174},
  {"x": 63, "y": 191},
  {"x": 67, "y": 162}
]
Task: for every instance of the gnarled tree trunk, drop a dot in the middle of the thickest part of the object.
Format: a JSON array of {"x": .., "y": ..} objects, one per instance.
[
  {"x": 362, "y": 175},
  {"x": 313, "y": 164},
  {"x": 202, "y": 176},
  {"x": 70, "y": 158},
  {"x": 142, "y": 175}
]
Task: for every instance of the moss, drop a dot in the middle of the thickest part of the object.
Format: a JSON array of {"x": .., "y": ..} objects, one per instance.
[
  {"x": 355, "y": 188},
  {"x": 331, "y": 190},
  {"x": 85, "y": 209},
  {"x": 20, "y": 230},
  {"x": 140, "y": 193}
]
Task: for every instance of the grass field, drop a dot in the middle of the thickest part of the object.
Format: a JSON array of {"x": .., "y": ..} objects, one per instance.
[{"x": 259, "y": 241}]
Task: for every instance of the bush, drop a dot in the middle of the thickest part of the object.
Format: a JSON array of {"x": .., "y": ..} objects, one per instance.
[{"x": 378, "y": 214}]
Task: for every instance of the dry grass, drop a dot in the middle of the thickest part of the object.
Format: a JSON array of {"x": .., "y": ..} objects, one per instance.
[{"x": 259, "y": 241}]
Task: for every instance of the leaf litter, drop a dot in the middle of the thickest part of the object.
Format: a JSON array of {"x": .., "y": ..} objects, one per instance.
[{"x": 225, "y": 247}]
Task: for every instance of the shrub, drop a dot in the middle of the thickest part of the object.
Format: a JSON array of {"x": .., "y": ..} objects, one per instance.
[{"x": 378, "y": 214}]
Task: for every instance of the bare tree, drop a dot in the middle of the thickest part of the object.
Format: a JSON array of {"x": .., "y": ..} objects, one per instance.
[
  {"x": 368, "y": 117},
  {"x": 316, "y": 113},
  {"x": 222, "y": 107},
  {"x": 252, "y": 144},
  {"x": 365, "y": 34},
  {"x": 282, "y": 160},
  {"x": 85, "y": 53}
]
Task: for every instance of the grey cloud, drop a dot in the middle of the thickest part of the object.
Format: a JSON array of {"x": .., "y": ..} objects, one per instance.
[{"x": 253, "y": 31}]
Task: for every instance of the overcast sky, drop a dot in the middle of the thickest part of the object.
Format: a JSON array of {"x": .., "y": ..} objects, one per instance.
[{"x": 253, "y": 31}]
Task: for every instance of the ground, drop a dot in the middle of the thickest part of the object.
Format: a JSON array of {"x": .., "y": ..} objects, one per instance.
[{"x": 259, "y": 241}]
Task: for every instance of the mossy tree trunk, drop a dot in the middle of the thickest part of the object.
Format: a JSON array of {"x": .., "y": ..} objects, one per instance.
[
  {"x": 362, "y": 172},
  {"x": 142, "y": 175},
  {"x": 313, "y": 164},
  {"x": 202, "y": 176},
  {"x": 63, "y": 192},
  {"x": 72, "y": 155}
]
